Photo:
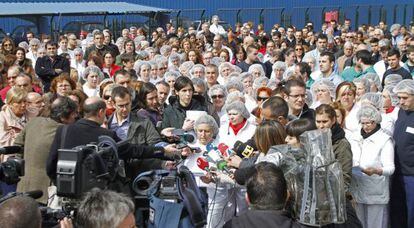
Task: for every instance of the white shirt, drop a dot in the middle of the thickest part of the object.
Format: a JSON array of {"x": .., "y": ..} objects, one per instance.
[
  {"x": 227, "y": 136},
  {"x": 217, "y": 29},
  {"x": 90, "y": 92}
]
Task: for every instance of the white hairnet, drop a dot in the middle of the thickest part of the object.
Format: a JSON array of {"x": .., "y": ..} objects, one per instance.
[
  {"x": 405, "y": 86},
  {"x": 200, "y": 66},
  {"x": 226, "y": 64},
  {"x": 365, "y": 82},
  {"x": 257, "y": 67},
  {"x": 234, "y": 96},
  {"x": 374, "y": 99},
  {"x": 213, "y": 90},
  {"x": 374, "y": 78},
  {"x": 216, "y": 61},
  {"x": 369, "y": 112},
  {"x": 240, "y": 107},
  {"x": 393, "y": 96},
  {"x": 186, "y": 66},
  {"x": 208, "y": 120},
  {"x": 392, "y": 79},
  {"x": 324, "y": 83},
  {"x": 234, "y": 83},
  {"x": 93, "y": 69},
  {"x": 259, "y": 82}
]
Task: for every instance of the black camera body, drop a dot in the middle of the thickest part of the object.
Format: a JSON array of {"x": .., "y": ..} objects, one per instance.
[
  {"x": 85, "y": 167},
  {"x": 11, "y": 170}
]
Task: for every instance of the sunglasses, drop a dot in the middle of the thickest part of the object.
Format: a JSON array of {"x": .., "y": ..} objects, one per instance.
[
  {"x": 106, "y": 97},
  {"x": 217, "y": 96},
  {"x": 258, "y": 98}
]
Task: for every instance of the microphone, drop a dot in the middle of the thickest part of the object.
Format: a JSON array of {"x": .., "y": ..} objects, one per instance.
[
  {"x": 203, "y": 164},
  {"x": 215, "y": 157},
  {"x": 10, "y": 150},
  {"x": 36, "y": 194},
  {"x": 242, "y": 149},
  {"x": 224, "y": 150}
]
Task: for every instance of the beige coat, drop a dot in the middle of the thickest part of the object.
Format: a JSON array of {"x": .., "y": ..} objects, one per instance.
[
  {"x": 37, "y": 137},
  {"x": 10, "y": 127}
]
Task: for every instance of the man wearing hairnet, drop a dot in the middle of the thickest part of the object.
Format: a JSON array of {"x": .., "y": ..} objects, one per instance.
[{"x": 402, "y": 194}]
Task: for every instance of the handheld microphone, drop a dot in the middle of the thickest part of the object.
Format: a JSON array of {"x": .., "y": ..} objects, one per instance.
[
  {"x": 10, "y": 150},
  {"x": 215, "y": 157},
  {"x": 224, "y": 150},
  {"x": 203, "y": 164},
  {"x": 243, "y": 150}
]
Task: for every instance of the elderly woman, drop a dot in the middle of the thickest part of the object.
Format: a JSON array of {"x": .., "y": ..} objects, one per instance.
[
  {"x": 278, "y": 70},
  {"x": 377, "y": 101},
  {"x": 362, "y": 86},
  {"x": 60, "y": 86},
  {"x": 225, "y": 69},
  {"x": 257, "y": 71},
  {"x": 77, "y": 62},
  {"x": 323, "y": 91},
  {"x": 185, "y": 68},
  {"x": 392, "y": 80},
  {"x": 143, "y": 69},
  {"x": 197, "y": 71},
  {"x": 247, "y": 80},
  {"x": 390, "y": 101},
  {"x": 93, "y": 76},
  {"x": 374, "y": 80},
  {"x": 12, "y": 122},
  {"x": 373, "y": 162},
  {"x": 238, "y": 127},
  {"x": 218, "y": 94},
  {"x": 32, "y": 54},
  {"x": 174, "y": 61}
]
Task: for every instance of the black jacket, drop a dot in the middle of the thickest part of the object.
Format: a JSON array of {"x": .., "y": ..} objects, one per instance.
[
  {"x": 174, "y": 115},
  {"x": 45, "y": 68},
  {"x": 85, "y": 132},
  {"x": 263, "y": 219}
]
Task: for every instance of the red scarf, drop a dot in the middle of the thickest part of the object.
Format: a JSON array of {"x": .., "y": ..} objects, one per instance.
[
  {"x": 236, "y": 128},
  {"x": 390, "y": 109}
]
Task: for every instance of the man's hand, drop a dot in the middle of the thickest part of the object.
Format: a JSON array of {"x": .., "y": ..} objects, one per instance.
[
  {"x": 188, "y": 125},
  {"x": 171, "y": 149},
  {"x": 66, "y": 223},
  {"x": 169, "y": 165},
  {"x": 186, "y": 151},
  {"x": 234, "y": 161}
]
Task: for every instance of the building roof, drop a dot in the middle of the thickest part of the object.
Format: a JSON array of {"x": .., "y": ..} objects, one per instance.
[{"x": 74, "y": 8}]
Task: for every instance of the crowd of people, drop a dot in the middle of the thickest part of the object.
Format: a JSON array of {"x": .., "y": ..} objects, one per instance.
[{"x": 263, "y": 88}]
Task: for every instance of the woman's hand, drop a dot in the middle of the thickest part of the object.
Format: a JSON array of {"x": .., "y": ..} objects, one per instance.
[
  {"x": 188, "y": 125},
  {"x": 371, "y": 171},
  {"x": 234, "y": 161}
]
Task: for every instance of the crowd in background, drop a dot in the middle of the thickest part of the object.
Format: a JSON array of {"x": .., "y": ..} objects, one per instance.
[{"x": 260, "y": 87}]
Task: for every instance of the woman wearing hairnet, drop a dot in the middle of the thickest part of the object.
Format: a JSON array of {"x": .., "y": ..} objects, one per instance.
[
  {"x": 238, "y": 127},
  {"x": 225, "y": 69},
  {"x": 377, "y": 101},
  {"x": 323, "y": 91},
  {"x": 373, "y": 164},
  {"x": 362, "y": 86}
]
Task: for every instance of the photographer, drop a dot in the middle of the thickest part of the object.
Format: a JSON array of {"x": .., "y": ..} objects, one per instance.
[
  {"x": 87, "y": 130},
  {"x": 105, "y": 209}
]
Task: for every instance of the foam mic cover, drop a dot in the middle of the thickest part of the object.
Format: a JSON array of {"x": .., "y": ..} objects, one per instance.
[
  {"x": 243, "y": 150},
  {"x": 10, "y": 150},
  {"x": 202, "y": 163},
  {"x": 189, "y": 138}
]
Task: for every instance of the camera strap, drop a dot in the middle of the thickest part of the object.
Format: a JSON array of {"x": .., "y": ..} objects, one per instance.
[{"x": 63, "y": 136}]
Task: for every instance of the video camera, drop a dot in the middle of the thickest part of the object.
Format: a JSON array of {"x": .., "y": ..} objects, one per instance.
[
  {"x": 88, "y": 166},
  {"x": 13, "y": 167}
]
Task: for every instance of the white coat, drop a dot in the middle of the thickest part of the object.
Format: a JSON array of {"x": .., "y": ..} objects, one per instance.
[
  {"x": 227, "y": 136},
  {"x": 376, "y": 151}
]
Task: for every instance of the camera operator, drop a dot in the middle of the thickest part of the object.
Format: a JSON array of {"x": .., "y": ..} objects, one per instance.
[
  {"x": 87, "y": 130},
  {"x": 105, "y": 209},
  {"x": 36, "y": 138},
  {"x": 23, "y": 212},
  {"x": 267, "y": 196}
]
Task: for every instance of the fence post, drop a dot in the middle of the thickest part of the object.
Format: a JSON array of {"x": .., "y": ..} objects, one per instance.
[
  {"x": 405, "y": 14},
  {"x": 261, "y": 17},
  {"x": 238, "y": 17},
  {"x": 306, "y": 15},
  {"x": 369, "y": 14},
  {"x": 323, "y": 15},
  {"x": 177, "y": 18},
  {"x": 394, "y": 19},
  {"x": 202, "y": 15},
  {"x": 356, "y": 17},
  {"x": 282, "y": 17}
]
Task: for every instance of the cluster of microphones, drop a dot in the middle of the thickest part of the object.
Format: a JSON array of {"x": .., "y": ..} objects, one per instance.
[{"x": 214, "y": 158}]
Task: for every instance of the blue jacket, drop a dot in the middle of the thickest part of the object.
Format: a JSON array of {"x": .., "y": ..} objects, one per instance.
[{"x": 404, "y": 143}]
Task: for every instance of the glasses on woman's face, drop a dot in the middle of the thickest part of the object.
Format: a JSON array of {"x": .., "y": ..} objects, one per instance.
[
  {"x": 259, "y": 98},
  {"x": 217, "y": 97},
  {"x": 106, "y": 97}
]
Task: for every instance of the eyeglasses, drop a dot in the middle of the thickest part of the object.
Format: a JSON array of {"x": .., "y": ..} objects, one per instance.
[
  {"x": 367, "y": 123},
  {"x": 298, "y": 49},
  {"x": 258, "y": 98},
  {"x": 106, "y": 97},
  {"x": 217, "y": 96}
]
